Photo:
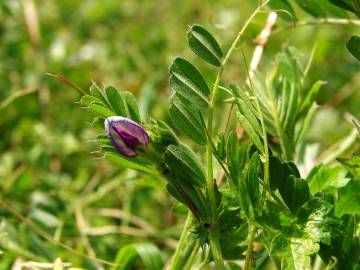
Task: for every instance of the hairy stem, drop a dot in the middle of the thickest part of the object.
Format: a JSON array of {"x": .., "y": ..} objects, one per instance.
[
  {"x": 251, "y": 237},
  {"x": 177, "y": 261}
]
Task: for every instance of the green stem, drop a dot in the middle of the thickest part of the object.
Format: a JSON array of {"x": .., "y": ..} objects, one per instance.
[
  {"x": 192, "y": 256},
  {"x": 251, "y": 237},
  {"x": 214, "y": 230},
  {"x": 178, "y": 260}
]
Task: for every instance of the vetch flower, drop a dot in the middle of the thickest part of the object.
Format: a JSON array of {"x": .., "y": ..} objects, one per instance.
[{"x": 125, "y": 135}]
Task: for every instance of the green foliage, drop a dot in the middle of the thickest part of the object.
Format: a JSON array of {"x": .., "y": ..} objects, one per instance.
[
  {"x": 184, "y": 163},
  {"x": 58, "y": 202},
  {"x": 187, "y": 81},
  {"x": 204, "y": 45},
  {"x": 186, "y": 119}
]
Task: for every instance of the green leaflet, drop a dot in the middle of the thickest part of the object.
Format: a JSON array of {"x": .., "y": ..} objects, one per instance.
[
  {"x": 249, "y": 129},
  {"x": 322, "y": 177},
  {"x": 116, "y": 101},
  {"x": 345, "y": 4},
  {"x": 187, "y": 81},
  {"x": 134, "y": 163},
  {"x": 236, "y": 157},
  {"x": 311, "y": 7},
  {"x": 186, "y": 119},
  {"x": 295, "y": 193},
  {"x": 132, "y": 106},
  {"x": 96, "y": 91},
  {"x": 184, "y": 163},
  {"x": 101, "y": 110},
  {"x": 254, "y": 174},
  {"x": 204, "y": 45},
  {"x": 123, "y": 103},
  {"x": 305, "y": 124},
  {"x": 353, "y": 46},
  {"x": 349, "y": 199},
  {"x": 309, "y": 99},
  {"x": 188, "y": 194},
  {"x": 148, "y": 253},
  {"x": 88, "y": 99}
]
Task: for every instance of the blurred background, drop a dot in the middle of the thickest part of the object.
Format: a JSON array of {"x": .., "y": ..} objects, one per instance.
[{"x": 47, "y": 172}]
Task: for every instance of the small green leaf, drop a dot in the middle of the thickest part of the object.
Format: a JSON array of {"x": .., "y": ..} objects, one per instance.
[
  {"x": 116, "y": 101},
  {"x": 134, "y": 163},
  {"x": 353, "y": 46},
  {"x": 236, "y": 157},
  {"x": 132, "y": 106},
  {"x": 310, "y": 98},
  {"x": 204, "y": 45},
  {"x": 186, "y": 119},
  {"x": 311, "y": 7},
  {"x": 295, "y": 193},
  {"x": 187, "y": 81},
  {"x": 101, "y": 110},
  {"x": 349, "y": 199},
  {"x": 254, "y": 173},
  {"x": 96, "y": 91},
  {"x": 87, "y": 100},
  {"x": 321, "y": 178},
  {"x": 189, "y": 195},
  {"x": 305, "y": 124},
  {"x": 249, "y": 129},
  {"x": 277, "y": 173},
  {"x": 148, "y": 253},
  {"x": 291, "y": 107},
  {"x": 184, "y": 163}
]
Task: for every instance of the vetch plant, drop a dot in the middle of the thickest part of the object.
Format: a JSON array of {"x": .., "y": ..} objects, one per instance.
[{"x": 258, "y": 193}]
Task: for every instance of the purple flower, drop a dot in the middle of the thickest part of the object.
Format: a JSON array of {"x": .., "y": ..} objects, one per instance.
[{"x": 125, "y": 135}]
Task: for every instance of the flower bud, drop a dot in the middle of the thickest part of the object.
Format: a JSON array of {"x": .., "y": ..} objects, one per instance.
[{"x": 125, "y": 135}]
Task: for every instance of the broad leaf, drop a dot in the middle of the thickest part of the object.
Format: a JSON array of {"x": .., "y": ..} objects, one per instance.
[
  {"x": 204, "y": 45},
  {"x": 321, "y": 178},
  {"x": 295, "y": 193},
  {"x": 187, "y": 81},
  {"x": 349, "y": 199}
]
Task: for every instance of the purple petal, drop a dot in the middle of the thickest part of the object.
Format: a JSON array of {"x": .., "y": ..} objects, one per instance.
[
  {"x": 117, "y": 141},
  {"x": 129, "y": 140},
  {"x": 130, "y": 127}
]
